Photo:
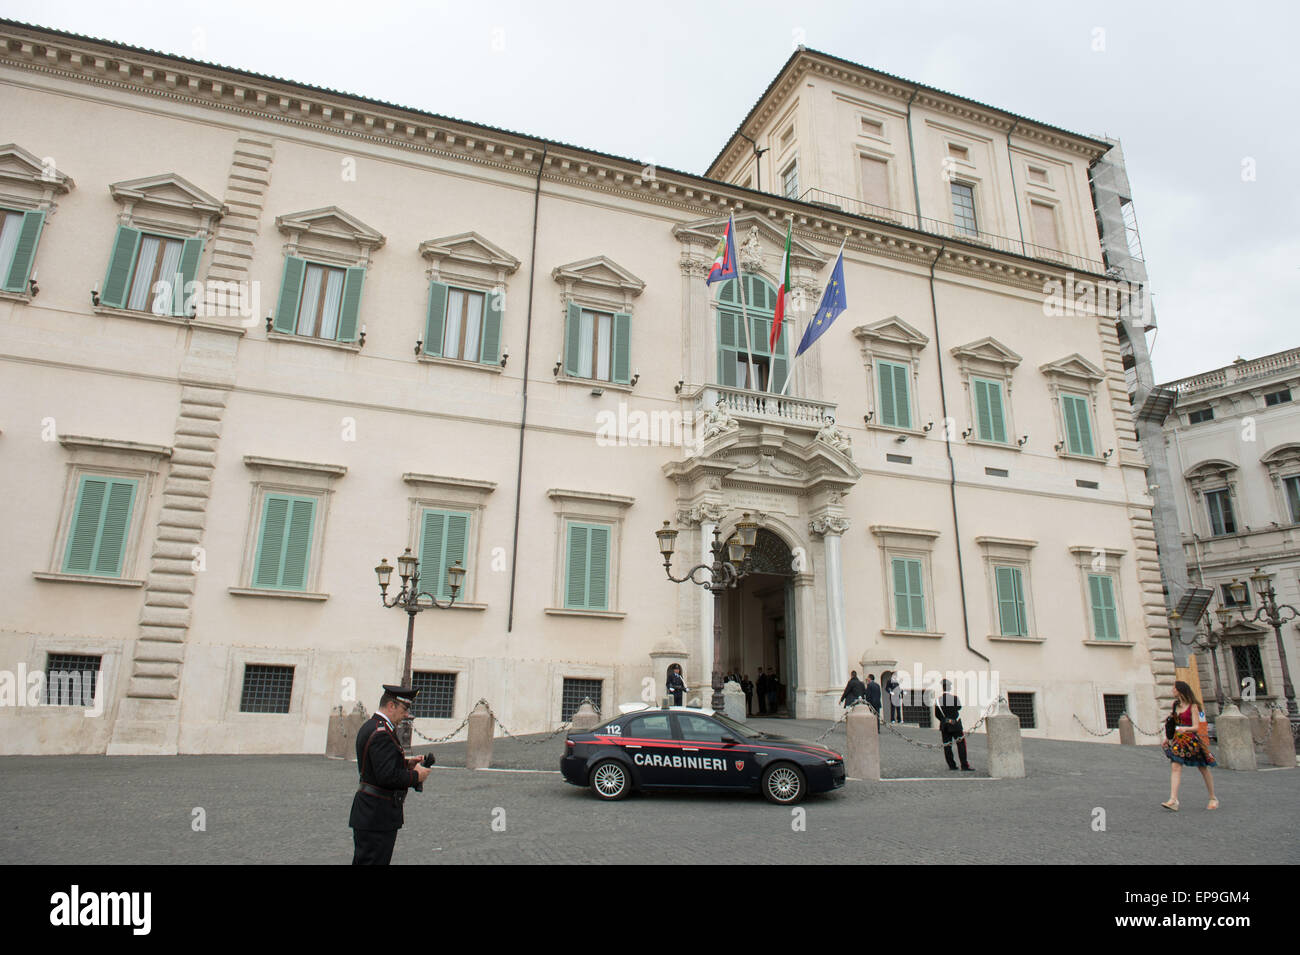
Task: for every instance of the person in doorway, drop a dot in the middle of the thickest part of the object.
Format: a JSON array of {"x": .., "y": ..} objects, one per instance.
[
  {"x": 1189, "y": 745},
  {"x": 948, "y": 709},
  {"x": 873, "y": 696},
  {"x": 773, "y": 692},
  {"x": 761, "y": 686},
  {"x": 676, "y": 685},
  {"x": 747, "y": 685},
  {"x": 853, "y": 690},
  {"x": 895, "y": 700}
]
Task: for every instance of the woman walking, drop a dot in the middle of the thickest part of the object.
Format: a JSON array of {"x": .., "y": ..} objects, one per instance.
[{"x": 1189, "y": 745}]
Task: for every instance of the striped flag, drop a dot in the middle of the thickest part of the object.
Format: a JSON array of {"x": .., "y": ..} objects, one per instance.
[
  {"x": 724, "y": 257},
  {"x": 782, "y": 294}
]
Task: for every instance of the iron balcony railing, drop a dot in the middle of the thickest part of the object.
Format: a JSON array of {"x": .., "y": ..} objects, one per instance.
[{"x": 950, "y": 230}]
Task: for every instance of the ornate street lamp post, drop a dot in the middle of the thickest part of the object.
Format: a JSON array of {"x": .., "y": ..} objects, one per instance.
[
  {"x": 1275, "y": 614},
  {"x": 1210, "y": 641},
  {"x": 723, "y": 574},
  {"x": 409, "y": 598}
]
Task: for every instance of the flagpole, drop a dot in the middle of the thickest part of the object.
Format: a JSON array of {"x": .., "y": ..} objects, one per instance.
[
  {"x": 790, "y": 374},
  {"x": 744, "y": 312}
]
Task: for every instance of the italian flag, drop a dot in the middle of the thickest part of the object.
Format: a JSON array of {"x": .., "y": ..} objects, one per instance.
[{"x": 782, "y": 295}]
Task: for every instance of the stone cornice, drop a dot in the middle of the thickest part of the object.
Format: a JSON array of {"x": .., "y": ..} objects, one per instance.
[
  {"x": 311, "y": 108},
  {"x": 900, "y": 91}
]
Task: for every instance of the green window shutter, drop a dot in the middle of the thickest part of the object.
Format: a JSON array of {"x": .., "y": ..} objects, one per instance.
[
  {"x": 433, "y": 536},
  {"x": 728, "y": 352},
  {"x": 454, "y": 551},
  {"x": 435, "y": 318},
  {"x": 270, "y": 545},
  {"x": 491, "y": 353},
  {"x": 575, "y": 591},
  {"x": 902, "y": 400},
  {"x": 888, "y": 406},
  {"x": 191, "y": 256},
  {"x": 297, "y": 544},
  {"x": 572, "y": 338},
  {"x": 443, "y": 542},
  {"x": 29, "y": 233},
  {"x": 286, "y": 306},
  {"x": 909, "y": 597},
  {"x": 598, "y": 568},
  {"x": 1011, "y": 602},
  {"x": 100, "y": 524},
  {"x": 1078, "y": 430},
  {"x": 1101, "y": 591},
  {"x": 622, "y": 371},
  {"x": 350, "y": 308},
  {"x": 988, "y": 411},
  {"x": 117, "y": 280},
  {"x": 780, "y": 368}
]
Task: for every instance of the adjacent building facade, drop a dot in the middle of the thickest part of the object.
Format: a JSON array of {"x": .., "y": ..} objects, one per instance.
[
  {"x": 1233, "y": 445},
  {"x": 258, "y": 335}
]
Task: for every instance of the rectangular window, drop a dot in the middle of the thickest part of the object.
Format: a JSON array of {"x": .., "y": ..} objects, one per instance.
[
  {"x": 101, "y": 523},
  {"x": 1114, "y": 705},
  {"x": 1292, "y": 486},
  {"x": 990, "y": 423},
  {"x": 71, "y": 679},
  {"x": 1270, "y": 399},
  {"x": 464, "y": 328},
  {"x": 444, "y": 540},
  {"x": 875, "y": 182},
  {"x": 963, "y": 208},
  {"x": 1219, "y": 504},
  {"x": 895, "y": 400},
  {"x": 284, "y": 542},
  {"x": 158, "y": 260},
  {"x": 909, "y": 594},
  {"x": 790, "y": 180},
  {"x": 1078, "y": 425},
  {"x": 1022, "y": 704},
  {"x": 917, "y": 709},
  {"x": 597, "y": 345},
  {"x": 574, "y": 692},
  {"x": 1011, "y": 602},
  {"x": 586, "y": 585},
  {"x": 1199, "y": 415},
  {"x": 1250, "y": 667},
  {"x": 1101, "y": 595},
  {"x": 19, "y": 233},
  {"x": 267, "y": 689},
  {"x": 437, "y": 696},
  {"x": 322, "y": 298}
]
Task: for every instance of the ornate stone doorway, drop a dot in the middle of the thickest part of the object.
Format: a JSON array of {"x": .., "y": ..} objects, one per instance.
[{"x": 759, "y": 625}]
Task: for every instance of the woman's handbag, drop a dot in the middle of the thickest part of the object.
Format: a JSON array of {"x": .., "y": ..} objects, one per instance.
[{"x": 1171, "y": 726}]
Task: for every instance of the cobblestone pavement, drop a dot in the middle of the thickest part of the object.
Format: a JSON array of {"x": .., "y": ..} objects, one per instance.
[{"x": 96, "y": 809}]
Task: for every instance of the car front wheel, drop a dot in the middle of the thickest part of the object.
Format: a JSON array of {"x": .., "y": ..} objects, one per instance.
[
  {"x": 610, "y": 780},
  {"x": 783, "y": 783}
]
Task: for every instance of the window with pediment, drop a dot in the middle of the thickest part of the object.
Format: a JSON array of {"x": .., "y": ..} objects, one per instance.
[
  {"x": 1283, "y": 465},
  {"x": 29, "y": 187},
  {"x": 467, "y": 299},
  {"x": 1073, "y": 383},
  {"x": 987, "y": 368},
  {"x": 597, "y": 296},
  {"x": 891, "y": 352},
  {"x": 1214, "y": 485}
]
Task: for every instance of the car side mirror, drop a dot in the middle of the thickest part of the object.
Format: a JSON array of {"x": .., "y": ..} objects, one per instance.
[{"x": 730, "y": 740}]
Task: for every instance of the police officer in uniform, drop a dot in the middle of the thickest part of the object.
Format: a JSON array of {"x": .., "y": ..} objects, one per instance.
[
  {"x": 947, "y": 707},
  {"x": 386, "y": 774}
]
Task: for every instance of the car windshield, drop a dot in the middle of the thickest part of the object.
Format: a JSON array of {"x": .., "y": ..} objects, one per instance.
[{"x": 739, "y": 730}]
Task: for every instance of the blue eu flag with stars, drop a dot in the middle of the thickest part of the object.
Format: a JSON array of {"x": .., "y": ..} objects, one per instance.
[{"x": 833, "y": 302}]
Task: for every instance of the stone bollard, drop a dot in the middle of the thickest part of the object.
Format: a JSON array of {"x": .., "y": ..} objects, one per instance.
[
  {"x": 1126, "y": 736},
  {"x": 1236, "y": 747},
  {"x": 733, "y": 701},
  {"x": 1006, "y": 760},
  {"x": 862, "y": 753},
  {"x": 1281, "y": 744},
  {"x": 479, "y": 753},
  {"x": 586, "y": 718}
]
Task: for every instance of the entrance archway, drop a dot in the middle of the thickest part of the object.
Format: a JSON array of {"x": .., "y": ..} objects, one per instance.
[{"x": 759, "y": 626}]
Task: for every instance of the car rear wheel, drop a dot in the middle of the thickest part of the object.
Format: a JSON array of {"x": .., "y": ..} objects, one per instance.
[
  {"x": 610, "y": 780},
  {"x": 783, "y": 783}
]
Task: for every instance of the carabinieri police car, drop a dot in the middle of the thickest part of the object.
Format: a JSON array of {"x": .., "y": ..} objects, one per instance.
[{"x": 687, "y": 748}]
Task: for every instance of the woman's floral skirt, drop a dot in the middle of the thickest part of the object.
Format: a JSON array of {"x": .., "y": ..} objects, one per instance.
[{"x": 1187, "y": 748}]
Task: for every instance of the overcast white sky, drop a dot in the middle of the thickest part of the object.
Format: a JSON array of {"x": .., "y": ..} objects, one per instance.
[{"x": 1194, "y": 90}]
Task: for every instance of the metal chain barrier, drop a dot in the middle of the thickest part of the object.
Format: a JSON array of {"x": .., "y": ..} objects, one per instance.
[
  {"x": 988, "y": 711},
  {"x": 562, "y": 728}
]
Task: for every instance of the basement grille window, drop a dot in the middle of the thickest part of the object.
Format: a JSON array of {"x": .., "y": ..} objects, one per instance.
[
  {"x": 997, "y": 472},
  {"x": 267, "y": 689},
  {"x": 1022, "y": 704},
  {"x": 1250, "y": 666},
  {"x": 437, "y": 696},
  {"x": 916, "y": 708},
  {"x": 898, "y": 459},
  {"x": 1115, "y": 706},
  {"x": 575, "y": 691},
  {"x": 1090, "y": 485},
  {"x": 71, "y": 679}
]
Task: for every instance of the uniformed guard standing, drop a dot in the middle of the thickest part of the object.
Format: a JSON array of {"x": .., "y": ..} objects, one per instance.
[
  {"x": 676, "y": 685},
  {"x": 386, "y": 774}
]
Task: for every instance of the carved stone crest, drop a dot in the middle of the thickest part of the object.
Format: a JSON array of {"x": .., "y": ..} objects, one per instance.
[{"x": 828, "y": 524}]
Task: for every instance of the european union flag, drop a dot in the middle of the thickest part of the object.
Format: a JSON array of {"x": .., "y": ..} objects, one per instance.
[{"x": 828, "y": 309}]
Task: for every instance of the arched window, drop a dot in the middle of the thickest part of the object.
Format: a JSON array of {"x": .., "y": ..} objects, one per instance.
[{"x": 733, "y": 360}]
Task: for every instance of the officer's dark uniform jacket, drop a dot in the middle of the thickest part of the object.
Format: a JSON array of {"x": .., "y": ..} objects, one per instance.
[
  {"x": 948, "y": 707},
  {"x": 384, "y": 778}
]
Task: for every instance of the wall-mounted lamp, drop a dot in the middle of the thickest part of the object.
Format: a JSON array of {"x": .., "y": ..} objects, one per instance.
[
  {"x": 505, "y": 356},
  {"x": 361, "y": 339},
  {"x": 677, "y": 389},
  {"x": 559, "y": 363},
  {"x": 929, "y": 427},
  {"x": 94, "y": 295},
  {"x": 419, "y": 344},
  {"x": 32, "y": 287},
  {"x": 634, "y": 379},
  {"x": 1023, "y": 441},
  {"x": 1107, "y": 455},
  {"x": 1059, "y": 445},
  {"x": 269, "y": 322},
  {"x": 868, "y": 416},
  {"x": 966, "y": 434}
]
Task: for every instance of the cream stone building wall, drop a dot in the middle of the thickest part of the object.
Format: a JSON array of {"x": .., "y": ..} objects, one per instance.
[
  {"x": 1234, "y": 432},
  {"x": 212, "y": 412}
]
